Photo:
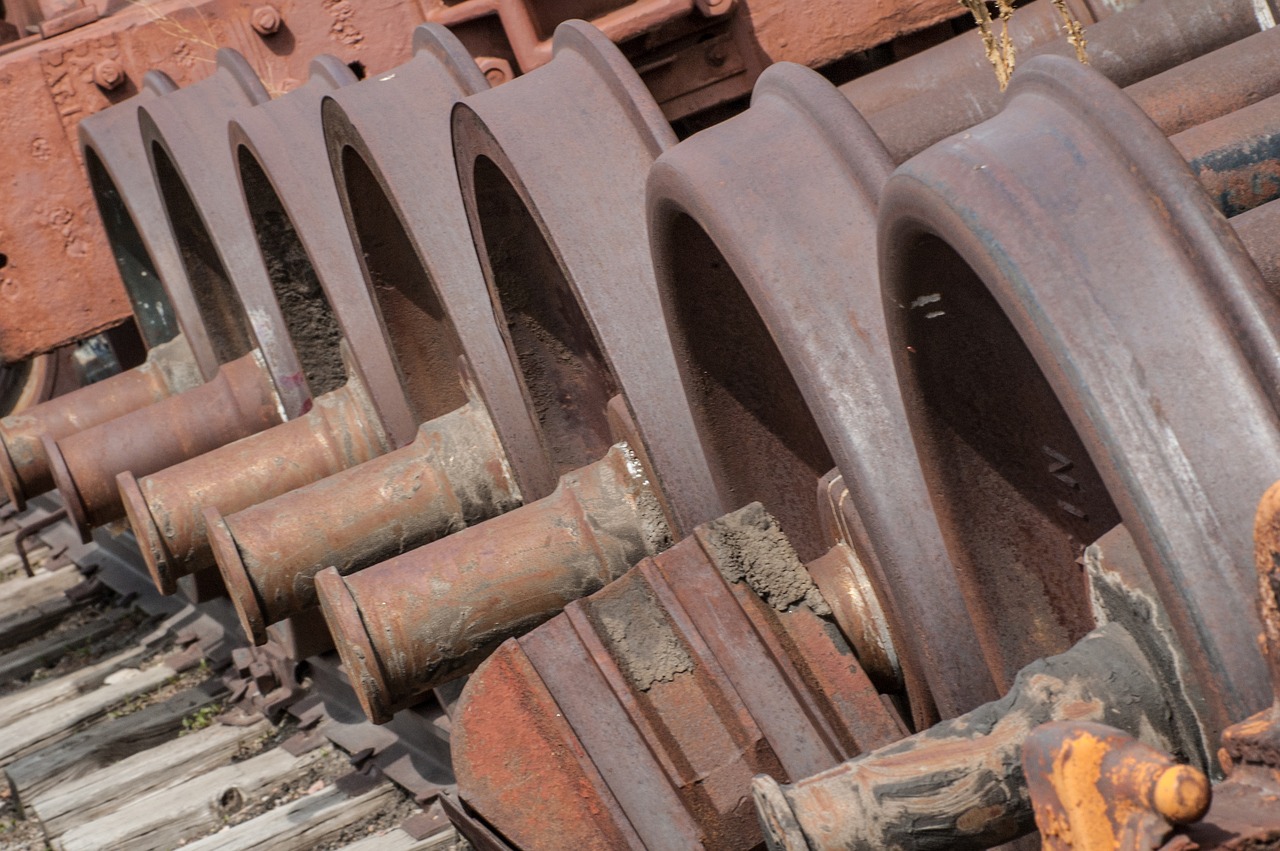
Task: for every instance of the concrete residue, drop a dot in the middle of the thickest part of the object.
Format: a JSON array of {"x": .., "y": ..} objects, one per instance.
[
  {"x": 749, "y": 546},
  {"x": 642, "y": 641}
]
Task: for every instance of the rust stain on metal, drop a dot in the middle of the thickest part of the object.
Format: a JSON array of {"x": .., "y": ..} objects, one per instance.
[
  {"x": 421, "y": 619},
  {"x": 1095, "y": 787},
  {"x": 166, "y": 509},
  {"x": 451, "y": 477},
  {"x": 670, "y": 687},
  {"x": 240, "y": 400}
]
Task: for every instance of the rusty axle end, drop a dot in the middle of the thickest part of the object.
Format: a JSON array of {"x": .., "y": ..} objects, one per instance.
[
  {"x": 166, "y": 507},
  {"x": 150, "y": 541},
  {"x": 249, "y": 606},
  {"x": 352, "y": 640},
  {"x": 65, "y": 483},
  {"x": 239, "y": 401},
  {"x": 421, "y": 619},
  {"x": 24, "y": 466}
]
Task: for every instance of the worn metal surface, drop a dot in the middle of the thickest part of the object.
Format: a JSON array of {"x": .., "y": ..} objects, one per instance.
[
  {"x": 166, "y": 509},
  {"x": 1093, "y": 786},
  {"x": 1126, "y": 48},
  {"x": 284, "y": 167},
  {"x": 960, "y": 784},
  {"x": 453, "y": 476},
  {"x": 418, "y": 620},
  {"x": 197, "y": 175},
  {"x": 24, "y": 467},
  {"x": 132, "y": 214},
  {"x": 54, "y": 251},
  {"x": 246, "y": 265},
  {"x": 240, "y": 400},
  {"x": 130, "y": 197},
  {"x": 582, "y": 324},
  {"x": 1036, "y": 440},
  {"x": 641, "y": 712},
  {"x": 1230, "y": 78},
  {"x": 754, "y": 223},
  {"x": 931, "y": 72},
  {"x": 391, "y": 154},
  {"x": 319, "y": 289},
  {"x": 1237, "y": 156}
]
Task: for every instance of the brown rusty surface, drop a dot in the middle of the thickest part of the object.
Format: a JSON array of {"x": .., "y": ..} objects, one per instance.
[
  {"x": 670, "y": 688},
  {"x": 692, "y": 54},
  {"x": 418, "y": 620},
  {"x": 1237, "y": 156},
  {"x": 24, "y": 467},
  {"x": 197, "y": 174},
  {"x": 239, "y": 401},
  {"x": 451, "y": 477},
  {"x": 166, "y": 509},
  {"x": 507, "y": 709},
  {"x": 1036, "y": 441},
  {"x": 1229, "y": 78},
  {"x": 754, "y": 222},
  {"x": 959, "y": 785},
  {"x": 1095, "y": 787},
  {"x": 55, "y": 252},
  {"x": 1128, "y": 47}
]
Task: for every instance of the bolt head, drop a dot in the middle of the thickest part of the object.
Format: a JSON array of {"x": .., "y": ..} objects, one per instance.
[
  {"x": 495, "y": 69},
  {"x": 266, "y": 19},
  {"x": 108, "y": 74}
]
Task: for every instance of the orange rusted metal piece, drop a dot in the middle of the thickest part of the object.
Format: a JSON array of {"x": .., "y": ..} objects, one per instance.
[
  {"x": 958, "y": 785},
  {"x": 1094, "y": 787},
  {"x": 53, "y": 252}
]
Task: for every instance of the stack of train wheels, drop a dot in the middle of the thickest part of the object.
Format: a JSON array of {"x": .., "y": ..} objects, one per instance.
[{"x": 540, "y": 443}]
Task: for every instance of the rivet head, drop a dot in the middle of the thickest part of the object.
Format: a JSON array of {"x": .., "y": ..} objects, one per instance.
[
  {"x": 108, "y": 74},
  {"x": 266, "y": 19}
]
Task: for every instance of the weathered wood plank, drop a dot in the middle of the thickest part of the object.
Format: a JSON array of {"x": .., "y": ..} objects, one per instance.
[
  {"x": 398, "y": 840},
  {"x": 41, "y": 696},
  {"x": 11, "y": 564},
  {"x": 29, "y": 591},
  {"x": 300, "y": 824},
  {"x": 103, "y": 744},
  {"x": 51, "y": 725},
  {"x": 62, "y": 808},
  {"x": 163, "y": 818},
  {"x": 37, "y": 618},
  {"x": 23, "y": 661}
]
